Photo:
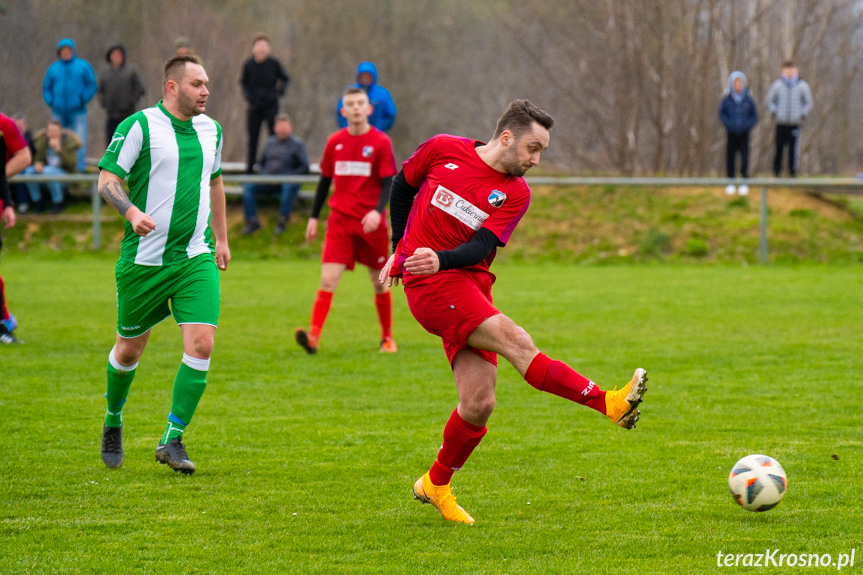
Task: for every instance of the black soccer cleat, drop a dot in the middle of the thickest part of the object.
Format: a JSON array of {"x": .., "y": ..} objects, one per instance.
[
  {"x": 112, "y": 446},
  {"x": 306, "y": 341},
  {"x": 173, "y": 454},
  {"x": 6, "y": 335}
]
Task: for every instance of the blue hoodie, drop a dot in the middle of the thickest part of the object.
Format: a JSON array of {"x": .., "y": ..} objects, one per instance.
[
  {"x": 384, "y": 109},
  {"x": 737, "y": 111},
  {"x": 69, "y": 84}
]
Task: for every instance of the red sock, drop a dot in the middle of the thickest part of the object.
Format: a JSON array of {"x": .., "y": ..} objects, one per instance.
[
  {"x": 460, "y": 438},
  {"x": 556, "y": 377},
  {"x": 4, "y": 311},
  {"x": 384, "y": 304},
  {"x": 319, "y": 312}
]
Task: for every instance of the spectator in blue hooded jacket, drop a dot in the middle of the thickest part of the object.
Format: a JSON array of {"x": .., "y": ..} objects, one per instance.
[
  {"x": 738, "y": 114},
  {"x": 383, "y": 107},
  {"x": 69, "y": 85}
]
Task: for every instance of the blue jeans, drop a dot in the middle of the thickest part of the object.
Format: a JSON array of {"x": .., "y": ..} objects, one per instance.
[
  {"x": 56, "y": 188},
  {"x": 288, "y": 193},
  {"x": 78, "y": 124}
]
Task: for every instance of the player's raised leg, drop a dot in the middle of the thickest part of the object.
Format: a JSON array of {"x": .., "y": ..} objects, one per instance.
[
  {"x": 475, "y": 378},
  {"x": 502, "y": 335},
  {"x": 189, "y": 386},
  {"x": 384, "y": 307},
  {"x": 122, "y": 362},
  {"x": 331, "y": 274}
]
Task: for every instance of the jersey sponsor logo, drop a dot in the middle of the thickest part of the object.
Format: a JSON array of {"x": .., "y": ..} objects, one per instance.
[
  {"x": 496, "y": 198},
  {"x": 451, "y": 166},
  {"x": 368, "y": 151},
  {"x": 459, "y": 208},
  {"x": 353, "y": 169},
  {"x": 116, "y": 141}
]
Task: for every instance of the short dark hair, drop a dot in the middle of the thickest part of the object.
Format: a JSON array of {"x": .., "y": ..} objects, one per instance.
[
  {"x": 260, "y": 37},
  {"x": 175, "y": 67},
  {"x": 282, "y": 118},
  {"x": 353, "y": 90},
  {"x": 55, "y": 122},
  {"x": 519, "y": 117},
  {"x": 789, "y": 64}
]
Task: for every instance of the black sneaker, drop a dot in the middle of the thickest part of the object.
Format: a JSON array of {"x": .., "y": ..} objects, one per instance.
[
  {"x": 280, "y": 227},
  {"x": 173, "y": 453},
  {"x": 250, "y": 228},
  {"x": 112, "y": 446}
]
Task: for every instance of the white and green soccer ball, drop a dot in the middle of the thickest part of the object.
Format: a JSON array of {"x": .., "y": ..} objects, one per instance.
[{"x": 757, "y": 482}]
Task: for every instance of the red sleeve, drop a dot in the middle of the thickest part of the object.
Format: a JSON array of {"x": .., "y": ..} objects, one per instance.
[
  {"x": 10, "y": 134},
  {"x": 385, "y": 162},
  {"x": 327, "y": 160},
  {"x": 417, "y": 166},
  {"x": 503, "y": 220}
]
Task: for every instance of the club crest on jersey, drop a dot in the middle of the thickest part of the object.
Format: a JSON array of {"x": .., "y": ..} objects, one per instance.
[
  {"x": 496, "y": 198},
  {"x": 339, "y": 147},
  {"x": 368, "y": 151}
]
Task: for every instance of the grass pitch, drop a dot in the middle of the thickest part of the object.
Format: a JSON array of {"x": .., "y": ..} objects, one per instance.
[{"x": 305, "y": 464}]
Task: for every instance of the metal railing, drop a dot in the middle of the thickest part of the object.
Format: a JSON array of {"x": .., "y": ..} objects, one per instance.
[{"x": 841, "y": 186}]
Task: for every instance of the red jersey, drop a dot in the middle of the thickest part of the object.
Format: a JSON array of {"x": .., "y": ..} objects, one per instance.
[
  {"x": 357, "y": 164},
  {"x": 459, "y": 194},
  {"x": 11, "y": 137}
]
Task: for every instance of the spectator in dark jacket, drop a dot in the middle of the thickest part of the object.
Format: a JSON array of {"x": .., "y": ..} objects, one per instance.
[
  {"x": 383, "y": 108},
  {"x": 739, "y": 115},
  {"x": 120, "y": 88},
  {"x": 283, "y": 154},
  {"x": 68, "y": 86},
  {"x": 264, "y": 81}
]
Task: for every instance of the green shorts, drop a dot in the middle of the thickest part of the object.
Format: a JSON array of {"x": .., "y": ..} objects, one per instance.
[{"x": 143, "y": 293}]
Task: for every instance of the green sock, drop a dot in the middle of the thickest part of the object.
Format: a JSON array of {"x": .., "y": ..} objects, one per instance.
[
  {"x": 119, "y": 381},
  {"x": 189, "y": 386}
]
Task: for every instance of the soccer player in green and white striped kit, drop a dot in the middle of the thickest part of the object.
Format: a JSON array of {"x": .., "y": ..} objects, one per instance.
[{"x": 171, "y": 155}]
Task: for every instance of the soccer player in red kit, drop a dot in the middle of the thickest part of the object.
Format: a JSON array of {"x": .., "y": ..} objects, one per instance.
[
  {"x": 359, "y": 159},
  {"x": 16, "y": 157},
  {"x": 453, "y": 204}
]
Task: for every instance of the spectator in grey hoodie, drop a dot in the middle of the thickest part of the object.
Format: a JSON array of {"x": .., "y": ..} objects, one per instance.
[
  {"x": 120, "y": 88},
  {"x": 789, "y": 101}
]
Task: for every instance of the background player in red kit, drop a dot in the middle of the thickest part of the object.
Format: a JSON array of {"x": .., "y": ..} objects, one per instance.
[
  {"x": 454, "y": 202},
  {"x": 360, "y": 160},
  {"x": 16, "y": 157}
]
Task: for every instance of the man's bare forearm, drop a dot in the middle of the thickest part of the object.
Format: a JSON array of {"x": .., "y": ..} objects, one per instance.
[{"x": 114, "y": 194}]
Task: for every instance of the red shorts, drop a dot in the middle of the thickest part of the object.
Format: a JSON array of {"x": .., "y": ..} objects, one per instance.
[
  {"x": 451, "y": 305},
  {"x": 345, "y": 243}
]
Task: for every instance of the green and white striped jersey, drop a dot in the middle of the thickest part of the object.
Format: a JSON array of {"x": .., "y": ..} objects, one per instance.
[{"x": 169, "y": 164}]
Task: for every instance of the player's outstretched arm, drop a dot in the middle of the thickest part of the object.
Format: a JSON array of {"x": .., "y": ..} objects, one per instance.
[
  {"x": 219, "y": 223},
  {"x": 111, "y": 189}
]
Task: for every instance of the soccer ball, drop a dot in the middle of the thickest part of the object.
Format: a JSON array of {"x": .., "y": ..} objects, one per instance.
[{"x": 757, "y": 482}]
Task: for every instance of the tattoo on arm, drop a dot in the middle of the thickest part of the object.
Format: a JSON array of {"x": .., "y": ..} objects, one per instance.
[{"x": 115, "y": 196}]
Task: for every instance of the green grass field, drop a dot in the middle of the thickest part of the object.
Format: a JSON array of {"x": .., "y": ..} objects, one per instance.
[{"x": 305, "y": 464}]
